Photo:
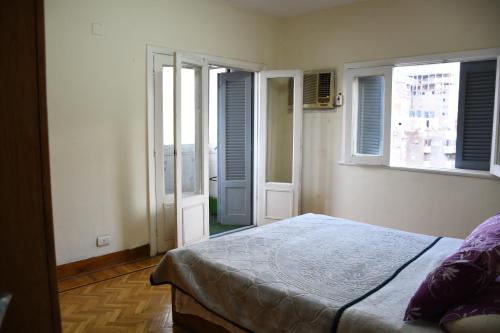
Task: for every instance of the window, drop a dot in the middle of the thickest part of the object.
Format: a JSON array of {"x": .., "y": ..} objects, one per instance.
[
  {"x": 370, "y": 91},
  {"x": 213, "y": 104},
  {"x": 408, "y": 132},
  {"x": 191, "y": 129},
  {"x": 431, "y": 116},
  {"x": 168, "y": 127}
]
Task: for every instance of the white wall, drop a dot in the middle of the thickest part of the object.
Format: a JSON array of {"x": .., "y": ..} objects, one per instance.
[
  {"x": 97, "y": 107},
  {"x": 377, "y": 29},
  {"x": 97, "y": 104}
]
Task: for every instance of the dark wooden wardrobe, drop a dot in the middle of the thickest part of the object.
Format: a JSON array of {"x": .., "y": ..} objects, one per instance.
[{"x": 27, "y": 261}]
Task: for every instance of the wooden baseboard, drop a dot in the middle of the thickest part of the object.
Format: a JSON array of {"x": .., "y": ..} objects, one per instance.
[{"x": 101, "y": 262}]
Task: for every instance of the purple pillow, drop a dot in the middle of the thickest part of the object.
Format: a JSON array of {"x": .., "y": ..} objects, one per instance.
[
  {"x": 465, "y": 273},
  {"x": 484, "y": 303}
]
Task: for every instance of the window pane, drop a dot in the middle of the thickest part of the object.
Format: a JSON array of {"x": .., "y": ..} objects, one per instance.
[
  {"x": 191, "y": 130},
  {"x": 424, "y": 115},
  {"x": 370, "y": 115},
  {"x": 168, "y": 128},
  {"x": 279, "y": 130},
  {"x": 213, "y": 105}
]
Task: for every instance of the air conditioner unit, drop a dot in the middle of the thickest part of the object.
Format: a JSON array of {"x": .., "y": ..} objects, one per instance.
[{"x": 319, "y": 89}]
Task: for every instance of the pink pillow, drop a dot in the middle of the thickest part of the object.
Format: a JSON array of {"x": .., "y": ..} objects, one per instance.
[{"x": 465, "y": 273}]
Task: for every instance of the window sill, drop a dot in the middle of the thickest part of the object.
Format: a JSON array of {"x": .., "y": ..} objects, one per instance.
[{"x": 439, "y": 171}]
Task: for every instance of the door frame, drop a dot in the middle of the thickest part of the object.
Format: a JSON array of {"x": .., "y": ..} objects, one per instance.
[{"x": 151, "y": 158}]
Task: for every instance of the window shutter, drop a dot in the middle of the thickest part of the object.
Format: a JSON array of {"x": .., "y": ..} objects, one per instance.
[
  {"x": 235, "y": 124},
  {"x": 475, "y": 114},
  {"x": 234, "y": 176},
  {"x": 370, "y": 115}
]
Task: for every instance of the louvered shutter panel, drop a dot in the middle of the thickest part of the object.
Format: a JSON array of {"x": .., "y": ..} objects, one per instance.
[
  {"x": 235, "y": 130},
  {"x": 235, "y": 148},
  {"x": 475, "y": 114},
  {"x": 370, "y": 115}
]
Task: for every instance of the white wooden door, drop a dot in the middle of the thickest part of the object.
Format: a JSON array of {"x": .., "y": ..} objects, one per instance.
[
  {"x": 191, "y": 149},
  {"x": 163, "y": 70},
  {"x": 280, "y": 147}
]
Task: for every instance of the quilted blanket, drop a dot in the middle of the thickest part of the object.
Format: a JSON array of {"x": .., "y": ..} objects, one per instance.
[{"x": 311, "y": 273}]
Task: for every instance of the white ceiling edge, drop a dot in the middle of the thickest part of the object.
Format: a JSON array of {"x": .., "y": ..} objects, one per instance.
[{"x": 289, "y": 8}]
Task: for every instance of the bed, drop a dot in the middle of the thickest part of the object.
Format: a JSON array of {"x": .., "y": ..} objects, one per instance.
[{"x": 311, "y": 273}]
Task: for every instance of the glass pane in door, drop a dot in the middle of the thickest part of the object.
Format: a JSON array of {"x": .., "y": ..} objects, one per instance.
[
  {"x": 168, "y": 128},
  {"x": 279, "y": 130},
  {"x": 191, "y": 130}
]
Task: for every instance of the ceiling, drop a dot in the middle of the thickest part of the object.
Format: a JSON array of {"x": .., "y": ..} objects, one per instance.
[{"x": 288, "y": 8}]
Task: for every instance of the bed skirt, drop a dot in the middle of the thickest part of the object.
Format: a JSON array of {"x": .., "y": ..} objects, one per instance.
[{"x": 188, "y": 313}]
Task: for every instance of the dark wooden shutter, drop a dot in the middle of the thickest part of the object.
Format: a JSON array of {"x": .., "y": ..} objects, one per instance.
[
  {"x": 475, "y": 114},
  {"x": 234, "y": 188}
]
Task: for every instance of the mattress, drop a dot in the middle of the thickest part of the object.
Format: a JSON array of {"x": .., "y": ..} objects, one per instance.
[{"x": 311, "y": 273}]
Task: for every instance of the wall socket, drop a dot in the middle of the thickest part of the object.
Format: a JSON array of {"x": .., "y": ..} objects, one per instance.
[
  {"x": 103, "y": 240},
  {"x": 97, "y": 29},
  {"x": 339, "y": 99}
]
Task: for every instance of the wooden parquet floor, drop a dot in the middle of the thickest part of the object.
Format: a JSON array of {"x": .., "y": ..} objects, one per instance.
[
  {"x": 127, "y": 303},
  {"x": 105, "y": 274}
]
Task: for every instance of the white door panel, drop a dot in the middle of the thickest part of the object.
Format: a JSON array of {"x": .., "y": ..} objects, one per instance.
[
  {"x": 279, "y": 204},
  {"x": 192, "y": 230},
  {"x": 280, "y": 151},
  {"x": 169, "y": 223}
]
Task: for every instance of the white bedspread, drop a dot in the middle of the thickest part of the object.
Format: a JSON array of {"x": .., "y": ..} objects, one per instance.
[{"x": 294, "y": 275}]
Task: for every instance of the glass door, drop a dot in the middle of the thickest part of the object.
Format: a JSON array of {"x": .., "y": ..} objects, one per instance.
[
  {"x": 280, "y": 125},
  {"x": 191, "y": 149},
  {"x": 164, "y": 150}
]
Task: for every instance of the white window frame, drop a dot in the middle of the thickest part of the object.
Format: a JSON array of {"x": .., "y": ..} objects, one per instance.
[
  {"x": 351, "y": 115},
  {"x": 495, "y": 149},
  {"x": 473, "y": 55}
]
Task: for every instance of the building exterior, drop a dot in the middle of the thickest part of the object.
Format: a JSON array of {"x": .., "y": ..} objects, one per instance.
[{"x": 424, "y": 115}]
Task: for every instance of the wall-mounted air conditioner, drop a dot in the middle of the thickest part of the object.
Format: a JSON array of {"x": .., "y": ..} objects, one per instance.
[{"x": 319, "y": 89}]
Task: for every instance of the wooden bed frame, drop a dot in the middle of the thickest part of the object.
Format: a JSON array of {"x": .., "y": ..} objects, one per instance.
[{"x": 194, "y": 323}]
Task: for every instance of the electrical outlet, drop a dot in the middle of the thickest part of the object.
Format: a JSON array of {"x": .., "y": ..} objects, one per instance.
[
  {"x": 103, "y": 240},
  {"x": 339, "y": 99},
  {"x": 97, "y": 29}
]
